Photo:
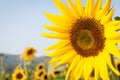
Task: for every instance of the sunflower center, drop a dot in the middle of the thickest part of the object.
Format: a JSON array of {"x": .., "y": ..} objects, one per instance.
[
  {"x": 30, "y": 52},
  {"x": 40, "y": 74},
  {"x": 45, "y": 77},
  {"x": 19, "y": 76},
  {"x": 57, "y": 72},
  {"x": 40, "y": 67},
  {"x": 87, "y": 37},
  {"x": 84, "y": 39}
]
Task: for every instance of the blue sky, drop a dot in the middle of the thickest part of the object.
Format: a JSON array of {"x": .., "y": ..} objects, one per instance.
[{"x": 21, "y": 24}]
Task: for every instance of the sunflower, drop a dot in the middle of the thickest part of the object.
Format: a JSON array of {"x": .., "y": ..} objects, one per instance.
[
  {"x": 7, "y": 76},
  {"x": 55, "y": 74},
  {"x": 117, "y": 64},
  {"x": 45, "y": 77},
  {"x": 19, "y": 75},
  {"x": 40, "y": 66},
  {"x": 87, "y": 38},
  {"x": 29, "y": 53},
  {"x": 40, "y": 75}
]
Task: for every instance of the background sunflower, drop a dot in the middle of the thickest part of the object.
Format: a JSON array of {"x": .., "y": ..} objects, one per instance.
[
  {"x": 19, "y": 75},
  {"x": 29, "y": 53}
]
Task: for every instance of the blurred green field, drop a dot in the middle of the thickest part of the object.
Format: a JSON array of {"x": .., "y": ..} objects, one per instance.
[{"x": 9, "y": 63}]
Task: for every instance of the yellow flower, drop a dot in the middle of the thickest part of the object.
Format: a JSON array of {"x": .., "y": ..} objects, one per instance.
[
  {"x": 117, "y": 64},
  {"x": 40, "y": 66},
  {"x": 29, "y": 53},
  {"x": 41, "y": 75},
  {"x": 46, "y": 77},
  {"x": 19, "y": 75},
  {"x": 55, "y": 74},
  {"x": 87, "y": 36}
]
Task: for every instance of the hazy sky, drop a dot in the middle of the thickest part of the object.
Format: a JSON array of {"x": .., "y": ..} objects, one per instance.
[{"x": 21, "y": 24}]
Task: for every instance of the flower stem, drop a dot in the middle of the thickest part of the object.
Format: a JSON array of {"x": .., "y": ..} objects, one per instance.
[{"x": 25, "y": 68}]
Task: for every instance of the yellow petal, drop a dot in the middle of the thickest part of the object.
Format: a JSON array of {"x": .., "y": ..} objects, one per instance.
[
  {"x": 56, "y": 35},
  {"x": 79, "y": 68},
  {"x": 115, "y": 40},
  {"x": 108, "y": 17},
  {"x": 55, "y": 59},
  {"x": 58, "y": 58},
  {"x": 74, "y": 8},
  {"x": 72, "y": 77},
  {"x": 89, "y": 8},
  {"x": 58, "y": 44},
  {"x": 88, "y": 67},
  {"x": 103, "y": 67},
  {"x": 57, "y": 28},
  {"x": 104, "y": 10},
  {"x": 66, "y": 58},
  {"x": 108, "y": 59},
  {"x": 72, "y": 65},
  {"x": 80, "y": 7},
  {"x": 111, "y": 34},
  {"x": 64, "y": 19},
  {"x": 59, "y": 52},
  {"x": 113, "y": 23},
  {"x": 64, "y": 9},
  {"x": 112, "y": 48},
  {"x": 115, "y": 28},
  {"x": 97, "y": 6},
  {"x": 96, "y": 68}
]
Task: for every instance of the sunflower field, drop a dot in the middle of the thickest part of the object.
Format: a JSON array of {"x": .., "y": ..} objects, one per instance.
[{"x": 28, "y": 70}]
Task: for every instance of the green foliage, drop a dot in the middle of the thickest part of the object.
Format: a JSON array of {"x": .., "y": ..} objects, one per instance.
[{"x": 117, "y": 18}]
